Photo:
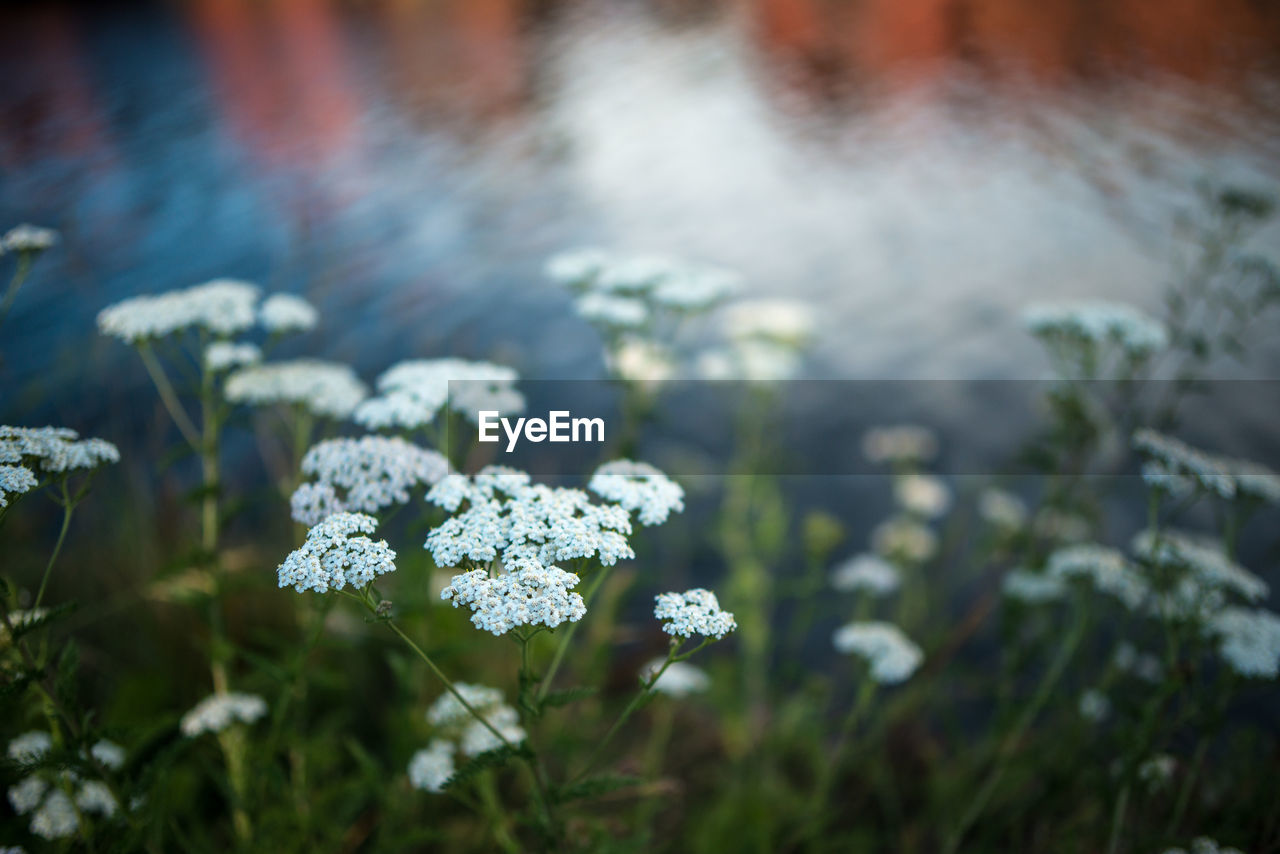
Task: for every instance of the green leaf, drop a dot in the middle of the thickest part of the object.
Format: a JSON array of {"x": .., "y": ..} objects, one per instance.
[
  {"x": 495, "y": 758},
  {"x": 594, "y": 787},
  {"x": 53, "y": 615}
]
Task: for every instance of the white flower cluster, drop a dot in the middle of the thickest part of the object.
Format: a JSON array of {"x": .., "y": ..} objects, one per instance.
[
  {"x": 373, "y": 471},
  {"x": 28, "y": 238},
  {"x": 1156, "y": 771},
  {"x": 640, "y": 360},
  {"x": 1002, "y": 510},
  {"x": 15, "y": 480},
  {"x": 868, "y": 572},
  {"x": 612, "y": 311},
  {"x": 1144, "y": 665},
  {"x": 1175, "y": 464},
  {"x": 411, "y": 394},
  {"x": 899, "y": 444},
  {"x": 1099, "y": 322},
  {"x": 223, "y": 307},
  {"x": 224, "y": 355},
  {"x": 52, "y": 449},
  {"x": 55, "y": 814},
  {"x": 892, "y": 656},
  {"x": 1207, "y": 563},
  {"x": 680, "y": 679},
  {"x": 1248, "y": 640},
  {"x": 337, "y": 553},
  {"x": 281, "y": 313},
  {"x": 1032, "y": 588},
  {"x": 1094, "y": 706},
  {"x": 639, "y": 488},
  {"x": 904, "y": 539},
  {"x": 786, "y": 323},
  {"x": 668, "y": 283},
  {"x": 459, "y": 731},
  {"x": 922, "y": 495},
  {"x": 327, "y": 389},
  {"x": 219, "y": 711},
  {"x": 1204, "y": 845},
  {"x": 525, "y": 525},
  {"x": 528, "y": 597},
  {"x": 694, "y": 612},
  {"x": 1106, "y": 569}
]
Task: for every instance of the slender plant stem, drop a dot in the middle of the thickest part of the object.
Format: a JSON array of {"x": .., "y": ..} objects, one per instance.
[
  {"x": 15, "y": 284},
  {"x": 169, "y": 397},
  {"x": 1188, "y": 784},
  {"x": 1117, "y": 819},
  {"x": 558, "y": 658},
  {"x": 68, "y": 507},
  {"x": 831, "y": 764}
]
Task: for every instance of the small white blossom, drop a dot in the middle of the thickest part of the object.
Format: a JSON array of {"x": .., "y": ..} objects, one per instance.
[
  {"x": 95, "y": 796},
  {"x": 478, "y": 738},
  {"x": 922, "y": 495},
  {"x": 374, "y": 472},
  {"x": 410, "y": 394},
  {"x": 430, "y": 769},
  {"x": 696, "y": 288},
  {"x": 327, "y": 389},
  {"x": 1143, "y": 665},
  {"x": 892, "y": 656},
  {"x": 1099, "y": 322},
  {"x": 1094, "y": 706},
  {"x": 54, "y": 449},
  {"x": 472, "y": 737},
  {"x": 639, "y": 488},
  {"x": 447, "y": 712},
  {"x": 28, "y": 238},
  {"x": 1064, "y": 527},
  {"x": 224, "y": 355},
  {"x": 680, "y": 679},
  {"x": 527, "y": 597},
  {"x": 1204, "y": 559},
  {"x": 223, "y": 307},
  {"x": 1002, "y": 509},
  {"x": 108, "y": 753},
  {"x": 1176, "y": 458},
  {"x": 612, "y": 312},
  {"x": 1032, "y": 588},
  {"x": 219, "y": 711},
  {"x": 28, "y": 794},
  {"x": 1157, "y": 770},
  {"x": 312, "y": 503},
  {"x": 694, "y": 612},
  {"x": 56, "y": 818},
  {"x": 1249, "y": 641},
  {"x": 576, "y": 268},
  {"x": 15, "y": 480},
  {"x": 1204, "y": 845},
  {"x": 904, "y": 539},
  {"x": 1106, "y": 569},
  {"x": 30, "y": 746},
  {"x": 903, "y": 443},
  {"x": 868, "y": 572},
  {"x": 780, "y": 321},
  {"x": 1254, "y": 480},
  {"x": 282, "y": 313},
  {"x": 752, "y": 360},
  {"x": 640, "y": 360},
  {"x": 336, "y": 554}
]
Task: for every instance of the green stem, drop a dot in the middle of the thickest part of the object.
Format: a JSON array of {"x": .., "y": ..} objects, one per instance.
[
  {"x": 831, "y": 765},
  {"x": 563, "y": 646},
  {"x": 68, "y": 507},
  {"x": 19, "y": 276},
  {"x": 169, "y": 397},
  {"x": 1188, "y": 784},
  {"x": 1117, "y": 820}
]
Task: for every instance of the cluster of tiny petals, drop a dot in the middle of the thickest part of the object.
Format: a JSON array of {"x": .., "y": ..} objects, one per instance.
[
  {"x": 1099, "y": 322},
  {"x": 1204, "y": 845},
  {"x": 527, "y": 525},
  {"x": 526, "y": 597},
  {"x": 901, "y": 443},
  {"x": 694, "y": 612},
  {"x": 53, "y": 449},
  {"x": 868, "y": 572},
  {"x": 223, "y": 307},
  {"x": 1106, "y": 569},
  {"x": 669, "y": 282},
  {"x": 219, "y": 711},
  {"x": 55, "y": 813},
  {"x": 923, "y": 495},
  {"x": 680, "y": 679},
  {"x": 282, "y": 313},
  {"x": 1002, "y": 509},
  {"x": 224, "y": 355},
  {"x": 1206, "y": 561},
  {"x": 30, "y": 746},
  {"x": 1249, "y": 641},
  {"x": 458, "y": 730},
  {"x": 431, "y": 768},
  {"x": 779, "y": 321},
  {"x": 327, "y": 389},
  {"x": 639, "y": 488},
  {"x": 374, "y": 472},
  {"x": 28, "y": 238},
  {"x": 612, "y": 311},
  {"x": 15, "y": 480},
  {"x": 906, "y": 539},
  {"x": 892, "y": 656},
  {"x": 1032, "y": 588},
  {"x": 412, "y": 393},
  {"x": 336, "y": 554},
  {"x": 1176, "y": 459}
]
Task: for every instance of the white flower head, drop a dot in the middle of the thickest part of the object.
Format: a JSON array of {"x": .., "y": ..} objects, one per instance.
[
  {"x": 327, "y": 389},
  {"x": 224, "y": 355},
  {"x": 696, "y": 288},
  {"x": 576, "y": 268},
  {"x": 752, "y": 360},
  {"x": 680, "y": 679},
  {"x": 904, "y": 539},
  {"x": 28, "y": 238},
  {"x": 53, "y": 449},
  {"x": 95, "y": 796},
  {"x": 15, "y": 480},
  {"x": 28, "y": 794},
  {"x": 1205, "y": 845},
  {"x": 901, "y": 443},
  {"x": 694, "y": 612},
  {"x": 30, "y": 747},
  {"x": 412, "y": 393},
  {"x": 1105, "y": 569},
  {"x": 868, "y": 572},
  {"x": 640, "y": 488},
  {"x": 784, "y": 322},
  {"x": 922, "y": 495},
  {"x": 458, "y": 725},
  {"x": 108, "y": 753},
  {"x": 336, "y": 554},
  {"x": 1175, "y": 459},
  {"x": 1098, "y": 322},
  {"x": 1248, "y": 640},
  {"x": 219, "y": 711},
  {"x": 1156, "y": 771},
  {"x": 1094, "y": 706},
  {"x": 526, "y": 597},
  {"x": 1002, "y": 509},
  {"x": 1032, "y": 588},
  {"x": 431, "y": 768},
  {"x": 223, "y": 307},
  {"x": 56, "y": 818},
  {"x": 892, "y": 656},
  {"x": 634, "y": 274},
  {"x": 1143, "y": 665},
  {"x": 374, "y": 472},
  {"x": 281, "y": 313},
  {"x": 612, "y": 312},
  {"x": 1204, "y": 559}
]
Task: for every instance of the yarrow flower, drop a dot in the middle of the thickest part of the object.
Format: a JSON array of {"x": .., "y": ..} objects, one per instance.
[
  {"x": 219, "y": 711},
  {"x": 28, "y": 238},
  {"x": 526, "y": 597},
  {"x": 902, "y": 443},
  {"x": 1099, "y": 322},
  {"x": 922, "y": 495},
  {"x": 1157, "y": 771},
  {"x": 1106, "y": 569},
  {"x": 694, "y": 612},
  {"x": 526, "y": 525},
  {"x": 459, "y": 730},
  {"x": 327, "y": 389},
  {"x": 412, "y": 393},
  {"x": 868, "y": 572},
  {"x": 892, "y": 656},
  {"x": 223, "y": 307},
  {"x": 1094, "y": 706},
  {"x": 15, "y": 480},
  {"x": 680, "y": 679},
  {"x": 1002, "y": 509},
  {"x": 904, "y": 539},
  {"x": 224, "y": 355},
  {"x": 30, "y": 747},
  {"x": 667, "y": 282},
  {"x": 1248, "y": 640},
  {"x": 431, "y": 768},
  {"x": 1032, "y": 588},
  {"x": 53, "y": 449},
  {"x": 1176, "y": 458},
  {"x": 639, "y": 360},
  {"x": 612, "y": 312},
  {"x": 336, "y": 554},
  {"x": 1204, "y": 845},
  {"x": 54, "y": 813},
  {"x": 779, "y": 321},
  {"x": 373, "y": 471},
  {"x": 282, "y": 313},
  {"x": 1205, "y": 560},
  {"x": 639, "y": 488}
]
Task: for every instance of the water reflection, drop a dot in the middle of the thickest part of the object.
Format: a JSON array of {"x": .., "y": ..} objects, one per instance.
[{"x": 922, "y": 169}]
